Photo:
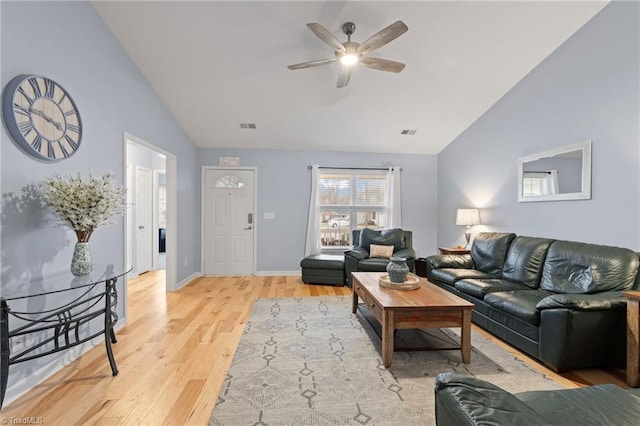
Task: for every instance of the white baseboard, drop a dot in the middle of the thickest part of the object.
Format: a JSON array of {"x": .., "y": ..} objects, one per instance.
[
  {"x": 188, "y": 280},
  {"x": 278, "y": 273},
  {"x": 23, "y": 386}
]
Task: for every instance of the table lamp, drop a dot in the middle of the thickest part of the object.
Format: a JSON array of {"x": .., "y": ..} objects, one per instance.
[{"x": 468, "y": 217}]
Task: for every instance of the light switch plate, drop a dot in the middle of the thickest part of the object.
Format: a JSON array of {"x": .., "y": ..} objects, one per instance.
[{"x": 268, "y": 215}]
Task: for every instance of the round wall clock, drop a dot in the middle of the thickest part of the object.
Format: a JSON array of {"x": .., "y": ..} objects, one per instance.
[{"x": 41, "y": 117}]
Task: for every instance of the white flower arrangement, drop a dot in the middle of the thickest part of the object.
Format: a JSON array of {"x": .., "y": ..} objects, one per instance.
[{"x": 83, "y": 204}]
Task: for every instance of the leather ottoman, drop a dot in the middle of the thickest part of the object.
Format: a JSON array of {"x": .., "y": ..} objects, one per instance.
[{"x": 323, "y": 269}]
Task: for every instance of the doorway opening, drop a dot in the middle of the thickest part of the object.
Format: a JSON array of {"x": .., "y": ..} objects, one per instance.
[{"x": 150, "y": 220}]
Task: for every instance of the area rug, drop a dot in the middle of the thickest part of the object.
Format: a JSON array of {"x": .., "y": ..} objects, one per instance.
[{"x": 310, "y": 361}]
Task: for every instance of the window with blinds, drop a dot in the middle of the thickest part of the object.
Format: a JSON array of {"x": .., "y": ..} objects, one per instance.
[{"x": 350, "y": 200}]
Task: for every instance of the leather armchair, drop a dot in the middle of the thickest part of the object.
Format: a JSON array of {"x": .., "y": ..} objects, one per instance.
[
  {"x": 465, "y": 400},
  {"x": 358, "y": 260}
]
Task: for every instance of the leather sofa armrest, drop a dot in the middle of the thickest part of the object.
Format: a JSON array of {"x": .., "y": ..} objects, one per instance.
[
  {"x": 465, "y": 400},
  {"x": 357, "y": 252},
  {"x": 441, "y": 261},
  {"x": 458, "y": 261},
  {"x": 407, "y": 253},
  {"x": 584, "y": 302},
  {"x": 351, "y": 259}
]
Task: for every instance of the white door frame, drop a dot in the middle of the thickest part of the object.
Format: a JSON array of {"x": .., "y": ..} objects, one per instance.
[
  {"x": 171, "y": 283},
  {"x": 128, "y": 217},
  {"x": 255, "y": 209}
]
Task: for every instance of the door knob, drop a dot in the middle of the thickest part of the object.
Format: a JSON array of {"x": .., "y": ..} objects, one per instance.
[
  {"x": 248, "y": 227},
  {"x": 141, "y": 227}
]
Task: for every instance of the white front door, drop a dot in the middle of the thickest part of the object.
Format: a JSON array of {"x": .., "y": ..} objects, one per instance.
[
  {"x": 144, "y": 237},
  {"x": 229, "y": 221}
]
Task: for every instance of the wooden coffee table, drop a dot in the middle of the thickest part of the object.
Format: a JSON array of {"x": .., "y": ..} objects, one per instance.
[{"x": 426, "y": 307}]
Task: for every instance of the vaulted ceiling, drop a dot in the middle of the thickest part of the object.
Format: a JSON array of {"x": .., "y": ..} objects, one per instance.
[{"x": 218, "y": 64}]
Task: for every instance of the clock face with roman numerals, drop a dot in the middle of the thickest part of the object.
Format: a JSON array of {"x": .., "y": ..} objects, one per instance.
[{"x": 41, "y": 117}]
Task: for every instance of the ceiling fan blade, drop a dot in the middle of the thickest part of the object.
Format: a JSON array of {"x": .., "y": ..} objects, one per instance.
[
  {"x": 383, "y": 37},
  {"x": 311, "y": 64},
  {"x": 382, "y": 64},
  {"x": 326, "y": 36},
  {"x": 344, "y": 76}
]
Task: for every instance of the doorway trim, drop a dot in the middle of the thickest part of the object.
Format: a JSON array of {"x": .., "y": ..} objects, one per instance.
[
  {"x": 171, "y": 170},
  {"x": 255, "y": 208}
]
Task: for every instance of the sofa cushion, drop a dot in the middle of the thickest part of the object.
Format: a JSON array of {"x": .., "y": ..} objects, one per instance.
[
  {"x": 520, "y": 303},
  {"x": 517, "y": 332},
  {"x": 605, "y": 300},
  {"x": 572, "y": 267},
  {"x": 478, "y": 288},
  {"x": 489, "y": 250},
  {"x": 385, "y": 237},
  {"x": 373, "y": 264},
  {"x": 594, "y": 405},
  {"x": 451, "y": 275},
  {"x": 525, "y": 259}
]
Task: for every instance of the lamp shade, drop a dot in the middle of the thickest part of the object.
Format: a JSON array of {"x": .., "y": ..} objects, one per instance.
[{"x": 468, "y": 217}]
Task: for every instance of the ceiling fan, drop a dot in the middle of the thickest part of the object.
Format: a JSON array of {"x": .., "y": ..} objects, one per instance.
[{"x": 349, "y": 53}]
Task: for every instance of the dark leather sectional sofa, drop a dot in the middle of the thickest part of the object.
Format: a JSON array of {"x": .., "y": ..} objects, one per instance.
[
  {"x": 466, "y": 400},
  {"x": 559, "y": 301}
]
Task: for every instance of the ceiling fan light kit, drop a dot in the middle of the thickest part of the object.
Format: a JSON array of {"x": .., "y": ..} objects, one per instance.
[
  {"x": 349, "y": 53},
  {"x": 349, "y": 59}
]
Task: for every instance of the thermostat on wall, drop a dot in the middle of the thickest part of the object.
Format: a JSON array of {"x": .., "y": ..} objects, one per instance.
[{"x": 228, "y": 161}]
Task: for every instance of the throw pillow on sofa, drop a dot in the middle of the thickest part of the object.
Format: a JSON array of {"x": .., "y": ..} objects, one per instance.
[{"x": 384, "y": 252}]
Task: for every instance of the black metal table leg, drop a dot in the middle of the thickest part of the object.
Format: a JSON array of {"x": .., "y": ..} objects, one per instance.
[
  {"x": 109, "y": 335},
  {"x": 4, "y": 348}
]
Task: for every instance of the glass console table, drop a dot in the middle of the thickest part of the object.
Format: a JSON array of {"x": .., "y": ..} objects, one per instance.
[{"x": 57, "y": 313}]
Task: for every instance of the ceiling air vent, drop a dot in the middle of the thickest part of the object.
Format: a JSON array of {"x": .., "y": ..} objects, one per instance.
[
  {"x": 408, "y": 132},
  {"x": 247, "y": 125}
]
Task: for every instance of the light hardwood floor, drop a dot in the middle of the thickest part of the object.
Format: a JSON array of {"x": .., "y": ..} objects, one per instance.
[{"x": 174, "y": 352}]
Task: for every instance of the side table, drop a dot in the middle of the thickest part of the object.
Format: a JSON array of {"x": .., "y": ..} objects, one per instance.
[
  {"x": 633, "y": 337},
  {"x": 57, "y": 313},
  {"x": 453, "y": 250}
]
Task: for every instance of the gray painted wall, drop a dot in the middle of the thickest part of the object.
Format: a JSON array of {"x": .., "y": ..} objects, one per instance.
[
  {"x": 69, "y": 42},
  {"x": 284, "y": 185},
  {"x": 588, "y": 89}
]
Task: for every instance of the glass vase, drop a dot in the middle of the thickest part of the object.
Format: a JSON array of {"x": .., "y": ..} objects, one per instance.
[
  {"x": 81, "y": 263},
  {"x": 397, "y": 269}
]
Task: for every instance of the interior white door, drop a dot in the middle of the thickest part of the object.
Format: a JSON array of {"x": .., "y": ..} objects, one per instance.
[
  {"x": 228, "y": 221},
  {"x": 128, "y": 233},
  {"x": 144, "y": 218}
]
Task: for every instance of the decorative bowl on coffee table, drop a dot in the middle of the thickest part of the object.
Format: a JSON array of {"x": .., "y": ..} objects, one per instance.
[{"x": 412, "y": 282}]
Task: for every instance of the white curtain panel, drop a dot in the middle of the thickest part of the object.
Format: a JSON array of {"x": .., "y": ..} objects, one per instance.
[
  {"x": 552, "y": 182},
  {"x": 394, "y": 201},
  {"x": 312, "y": 245}
]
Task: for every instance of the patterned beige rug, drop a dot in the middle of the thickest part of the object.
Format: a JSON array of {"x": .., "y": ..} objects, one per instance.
[{"x": 310, "y": 361}]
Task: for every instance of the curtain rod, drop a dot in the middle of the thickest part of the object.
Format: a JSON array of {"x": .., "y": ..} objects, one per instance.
[
  {"x": 546, "y": 172},
  {"x": 354, "y": 168}
]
